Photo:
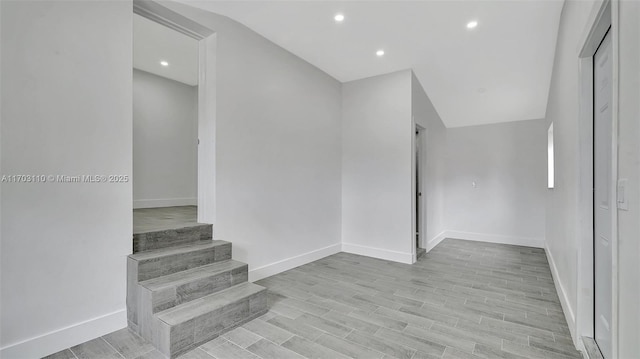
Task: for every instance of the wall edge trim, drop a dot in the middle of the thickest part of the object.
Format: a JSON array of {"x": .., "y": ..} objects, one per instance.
[
  {"x": 292, "y": 262},
  {"x": 433, "y": 242},
  {"x": 63, "y": 338},
  {"x": 562, "y": 294},
  {"x": 496, "y": 238},
  {"x": 394, "y": 256},
  {"x": 165, "y": 202}
]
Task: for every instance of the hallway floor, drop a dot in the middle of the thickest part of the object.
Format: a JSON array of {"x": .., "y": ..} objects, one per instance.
[
  {"x": 159, "y": 219},
  {"x": 462, "y": 300}
]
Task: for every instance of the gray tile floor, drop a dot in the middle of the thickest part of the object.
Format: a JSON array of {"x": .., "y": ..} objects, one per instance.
[
  {"x": 462, "y": 300},
  {"x": 159, "y": 219}
]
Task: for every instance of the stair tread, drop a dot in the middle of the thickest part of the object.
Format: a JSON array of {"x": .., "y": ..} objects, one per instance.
[
  {"x": 159, "y": 253},
  {"x": 186, "y": 311},
  {"x": 170, "y": 227},
  {"x": 189, "y": 275}
]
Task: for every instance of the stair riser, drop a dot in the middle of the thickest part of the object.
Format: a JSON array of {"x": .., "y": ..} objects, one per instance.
[
  {"x": 171, "y": 238},
  {"x": 151, "y": 302},
  {"x": 175, "y": 340},
  {"x": 132, "y": 294},
  {"x": 153, "y": 268},
  {"x": 169, "y": 297}
]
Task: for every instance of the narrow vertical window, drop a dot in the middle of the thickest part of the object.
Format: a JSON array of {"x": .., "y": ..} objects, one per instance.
[{"x": 550, "y": 166}]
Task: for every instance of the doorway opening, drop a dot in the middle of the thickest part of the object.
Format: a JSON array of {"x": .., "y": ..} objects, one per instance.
[
  {"x": 602, "y": 194},
  {"x": 165, "y": 127},
  {"x": 596, "y": 314},
  {"x": 174, "y": 120},
  {"x": 419, "y": 198}
]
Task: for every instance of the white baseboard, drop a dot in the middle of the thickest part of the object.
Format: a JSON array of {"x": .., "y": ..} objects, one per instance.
[
  {"x": 562, "y": 294},
  {"x": 292, "y": 262},
  {"x": 582, "y": 349},
  {"x": 379, "y": 253},
  {"x": 496, "y": 238},
  {"x": 435, "y": 241},
  {"x": 166, "y": 202},
  {"x": 61, "y": 339}
]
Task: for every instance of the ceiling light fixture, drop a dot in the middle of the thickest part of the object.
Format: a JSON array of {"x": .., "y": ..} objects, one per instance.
[
  {"x": 380, "y": 53},
  {"x": 339, "y": 18},
  {"x": 472, "y": 24},
  {"x": 164, "y": 63}
]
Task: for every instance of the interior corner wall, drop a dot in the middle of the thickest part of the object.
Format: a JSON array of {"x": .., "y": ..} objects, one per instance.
[
  {"x": 496, "y": 182},
  {"x": 377, "y": 138},
  {"x": 277, "y": 150},
  {"x": 433, "y": 165},
  {"x": 66, "y": 110},
  {"x": 165, "y": 141}
]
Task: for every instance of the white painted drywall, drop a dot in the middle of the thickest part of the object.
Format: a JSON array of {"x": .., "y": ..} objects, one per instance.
[
  {"x": 165, "y": 141},
  {"x": 507, "y": 165},
  {"x": 277, "y": 150},
  {"x": 66, "y": 110},
  {"x": 433, "y": 153},
  {"x": 562, "y": 231},
  {"x": 629, "y": 168},
  {"x": 377, "y": 149}
]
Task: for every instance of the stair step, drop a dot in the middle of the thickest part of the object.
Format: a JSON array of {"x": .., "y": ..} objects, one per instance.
[
  {"x": 143, "y": 266},
  {"x": 161, "y": 262},
  {"x": 174, "y": 289},
  {"x": 206, "y": 305},
  {"x": 171, "y": 237},
  {"x": 190, "y": 324}
]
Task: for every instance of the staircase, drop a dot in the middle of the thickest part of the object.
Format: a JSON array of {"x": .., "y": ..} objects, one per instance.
[{"x": 183, "y": 289}]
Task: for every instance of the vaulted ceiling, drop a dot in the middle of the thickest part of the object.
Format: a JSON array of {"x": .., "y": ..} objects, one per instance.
[
  {"x": 498, "y": 71},
  {"x": 154, "y": 43}
]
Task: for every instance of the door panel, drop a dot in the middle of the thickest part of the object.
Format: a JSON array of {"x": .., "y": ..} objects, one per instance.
[{"x": 602, "y": 206}]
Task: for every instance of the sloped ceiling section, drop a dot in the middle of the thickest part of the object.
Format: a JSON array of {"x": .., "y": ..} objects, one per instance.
[
  {"x": 497, "y": 72},
  {"x": 154, "y": 43}
]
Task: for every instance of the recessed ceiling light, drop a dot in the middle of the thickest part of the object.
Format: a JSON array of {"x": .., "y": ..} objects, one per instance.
[
  {"x": 164, "y": 63},
  {"x": 472, "y": 24},
  {"x": 380, "y": 53},
  {"x": 339, "y": 18}
]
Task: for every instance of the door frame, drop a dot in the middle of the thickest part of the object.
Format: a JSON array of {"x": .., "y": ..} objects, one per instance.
[
  {"x": 207, "y": 43},
  {"x": 603, "y": 18},
  {"x": 420, "y": 225},
  {"x": 417, "y": 226}
]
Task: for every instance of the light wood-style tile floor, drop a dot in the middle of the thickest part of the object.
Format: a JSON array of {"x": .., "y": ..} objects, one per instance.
[
  {"x": 462, "y": 300},
  {"x": 163, "y": 218}
]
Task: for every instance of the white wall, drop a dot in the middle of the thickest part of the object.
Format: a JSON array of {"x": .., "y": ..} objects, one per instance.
[
  {"x": 562, "y": 111},
  {"x": 628, "y": 167},
  {"x": 563, "y": 232},
  {"x": 377, "y": 148},
  {"x": 507, "y": 162},
  {"x": 281, "y": 159},
  {"x": 165, "y": 141},
  {"x": 66, "y": 110},
  {"x": 433, "y": 153},
  {"x": 277, "y": 151}
]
